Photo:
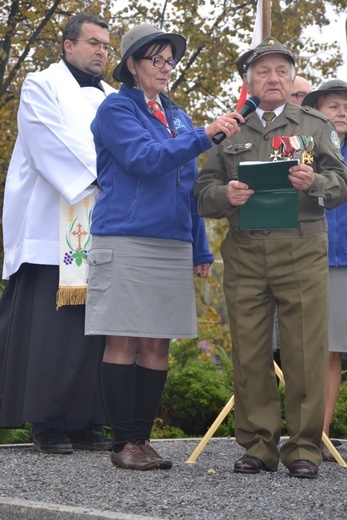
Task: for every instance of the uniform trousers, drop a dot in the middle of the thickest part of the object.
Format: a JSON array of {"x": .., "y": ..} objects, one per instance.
[{"x": 258, "y": 273}]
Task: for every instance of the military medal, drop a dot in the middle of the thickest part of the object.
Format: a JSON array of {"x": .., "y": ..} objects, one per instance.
[
  {"x": 291, "y": 147},
  {"x": 276, "y": 149},
  {"x": 306, "y": 158},
  {"x": 294, "y": 139},
  {"x": 307, "y": 145},
  {"x": 298, "y": 147},
  {"x": 287, "y": 146}
]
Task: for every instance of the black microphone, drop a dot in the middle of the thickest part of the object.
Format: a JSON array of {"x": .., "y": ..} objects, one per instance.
[{"x": 251, "y": 104}]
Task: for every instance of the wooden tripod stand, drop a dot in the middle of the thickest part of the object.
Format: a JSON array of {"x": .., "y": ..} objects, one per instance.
[{"x": 228, "y": 407}]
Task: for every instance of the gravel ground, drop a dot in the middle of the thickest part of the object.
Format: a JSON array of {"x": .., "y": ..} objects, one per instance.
[{"x": 207, "y": 489}]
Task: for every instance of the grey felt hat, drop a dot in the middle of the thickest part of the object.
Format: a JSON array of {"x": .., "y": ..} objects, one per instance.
[
  {"x": 335, "y": 85},
  {"x": 269, "y": 45},
  {"x": 139, "y": 36}
]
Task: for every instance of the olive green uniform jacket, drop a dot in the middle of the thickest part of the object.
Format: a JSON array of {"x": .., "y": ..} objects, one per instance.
[{"x": 253, "y": 143}]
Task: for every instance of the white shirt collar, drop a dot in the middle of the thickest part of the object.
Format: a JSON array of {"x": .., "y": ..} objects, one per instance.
[{"x": 157, "y": 100}]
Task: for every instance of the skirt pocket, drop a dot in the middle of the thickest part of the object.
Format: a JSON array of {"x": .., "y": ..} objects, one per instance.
[{"x": 100, "y": 269}]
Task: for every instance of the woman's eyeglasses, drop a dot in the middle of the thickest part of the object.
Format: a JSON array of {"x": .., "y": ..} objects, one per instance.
[{"x": 159, "y": 62}]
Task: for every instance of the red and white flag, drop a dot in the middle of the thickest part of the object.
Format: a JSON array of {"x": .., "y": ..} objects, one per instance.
[{"x": 256, "y": 39}]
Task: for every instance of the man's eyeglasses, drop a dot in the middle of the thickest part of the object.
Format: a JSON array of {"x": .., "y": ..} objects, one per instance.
[
  {"x": 159, "y": 62},
  {"x": 299, "y": 95},
  {"x": 96, "y": 44}
]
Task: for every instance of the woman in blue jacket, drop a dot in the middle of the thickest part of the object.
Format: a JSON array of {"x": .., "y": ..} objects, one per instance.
[
  {"x": 147, "y": 237},
  {"x": 331, "y": 99}
]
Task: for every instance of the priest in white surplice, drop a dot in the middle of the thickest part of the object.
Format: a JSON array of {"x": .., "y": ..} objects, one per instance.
[{"x": 49, "y": 371}]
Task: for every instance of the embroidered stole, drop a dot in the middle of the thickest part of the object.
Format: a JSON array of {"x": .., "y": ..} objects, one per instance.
[{"x": 78, "y": 107}]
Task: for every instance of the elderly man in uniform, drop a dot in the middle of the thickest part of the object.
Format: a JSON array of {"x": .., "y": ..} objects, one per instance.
[{"x": 284, "y": 266}]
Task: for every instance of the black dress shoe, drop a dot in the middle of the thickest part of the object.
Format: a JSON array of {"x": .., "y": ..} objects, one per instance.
[
  {"x": 303, "y": 469},
  {"x": 248, "y": 464},
  {"x": 52, "y": 440},
  {"x": 89, "y": 439}
]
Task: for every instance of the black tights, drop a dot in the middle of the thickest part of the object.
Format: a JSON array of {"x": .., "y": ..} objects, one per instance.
[{"x": 132, "y": 395}]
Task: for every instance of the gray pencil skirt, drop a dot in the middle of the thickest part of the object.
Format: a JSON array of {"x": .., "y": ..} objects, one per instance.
[
  {"x": 337, "y": 313},
  {"x": 140, "y": 287}
]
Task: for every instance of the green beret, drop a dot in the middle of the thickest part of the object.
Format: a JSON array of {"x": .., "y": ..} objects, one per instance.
[{"x": 268, "y": 46}]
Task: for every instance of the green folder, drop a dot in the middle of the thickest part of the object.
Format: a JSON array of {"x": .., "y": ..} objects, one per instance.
[{"x": 274, "y": 203}]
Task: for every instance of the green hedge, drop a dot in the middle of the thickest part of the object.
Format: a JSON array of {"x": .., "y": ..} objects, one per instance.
[{"x": 199, "y": 385}]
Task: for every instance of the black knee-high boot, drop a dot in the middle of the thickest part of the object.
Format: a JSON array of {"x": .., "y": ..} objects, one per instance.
[
  {"x": 149, "y": 385},
  {"x": 118, "y": 384}
]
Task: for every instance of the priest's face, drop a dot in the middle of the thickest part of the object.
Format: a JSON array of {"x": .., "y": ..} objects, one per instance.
[{"x": 90, "y": 51}]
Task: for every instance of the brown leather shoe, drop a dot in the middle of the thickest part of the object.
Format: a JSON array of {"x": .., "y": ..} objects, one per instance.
[
  {"x": 131, "y": 457},
  {"x": 248, "y": 464},
  {"x": 303, "y": 469},
  {"x": 151, "y": 454}
]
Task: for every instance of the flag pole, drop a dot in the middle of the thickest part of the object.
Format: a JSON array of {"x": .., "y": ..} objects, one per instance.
[
  {"x": 266, "y": 29},
  {"x": 262, "y": 28}
]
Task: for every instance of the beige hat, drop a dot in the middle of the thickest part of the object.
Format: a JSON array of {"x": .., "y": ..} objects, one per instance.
[
  {"x": 139, "y": 36},
  {"x": 268, "y": 46}
]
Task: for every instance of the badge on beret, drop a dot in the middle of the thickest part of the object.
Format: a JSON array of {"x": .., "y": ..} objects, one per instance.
[{"x": 335, "y": 139}]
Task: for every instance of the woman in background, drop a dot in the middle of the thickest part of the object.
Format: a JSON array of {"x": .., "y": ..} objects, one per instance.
[{"x": 331, "y": 99}]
